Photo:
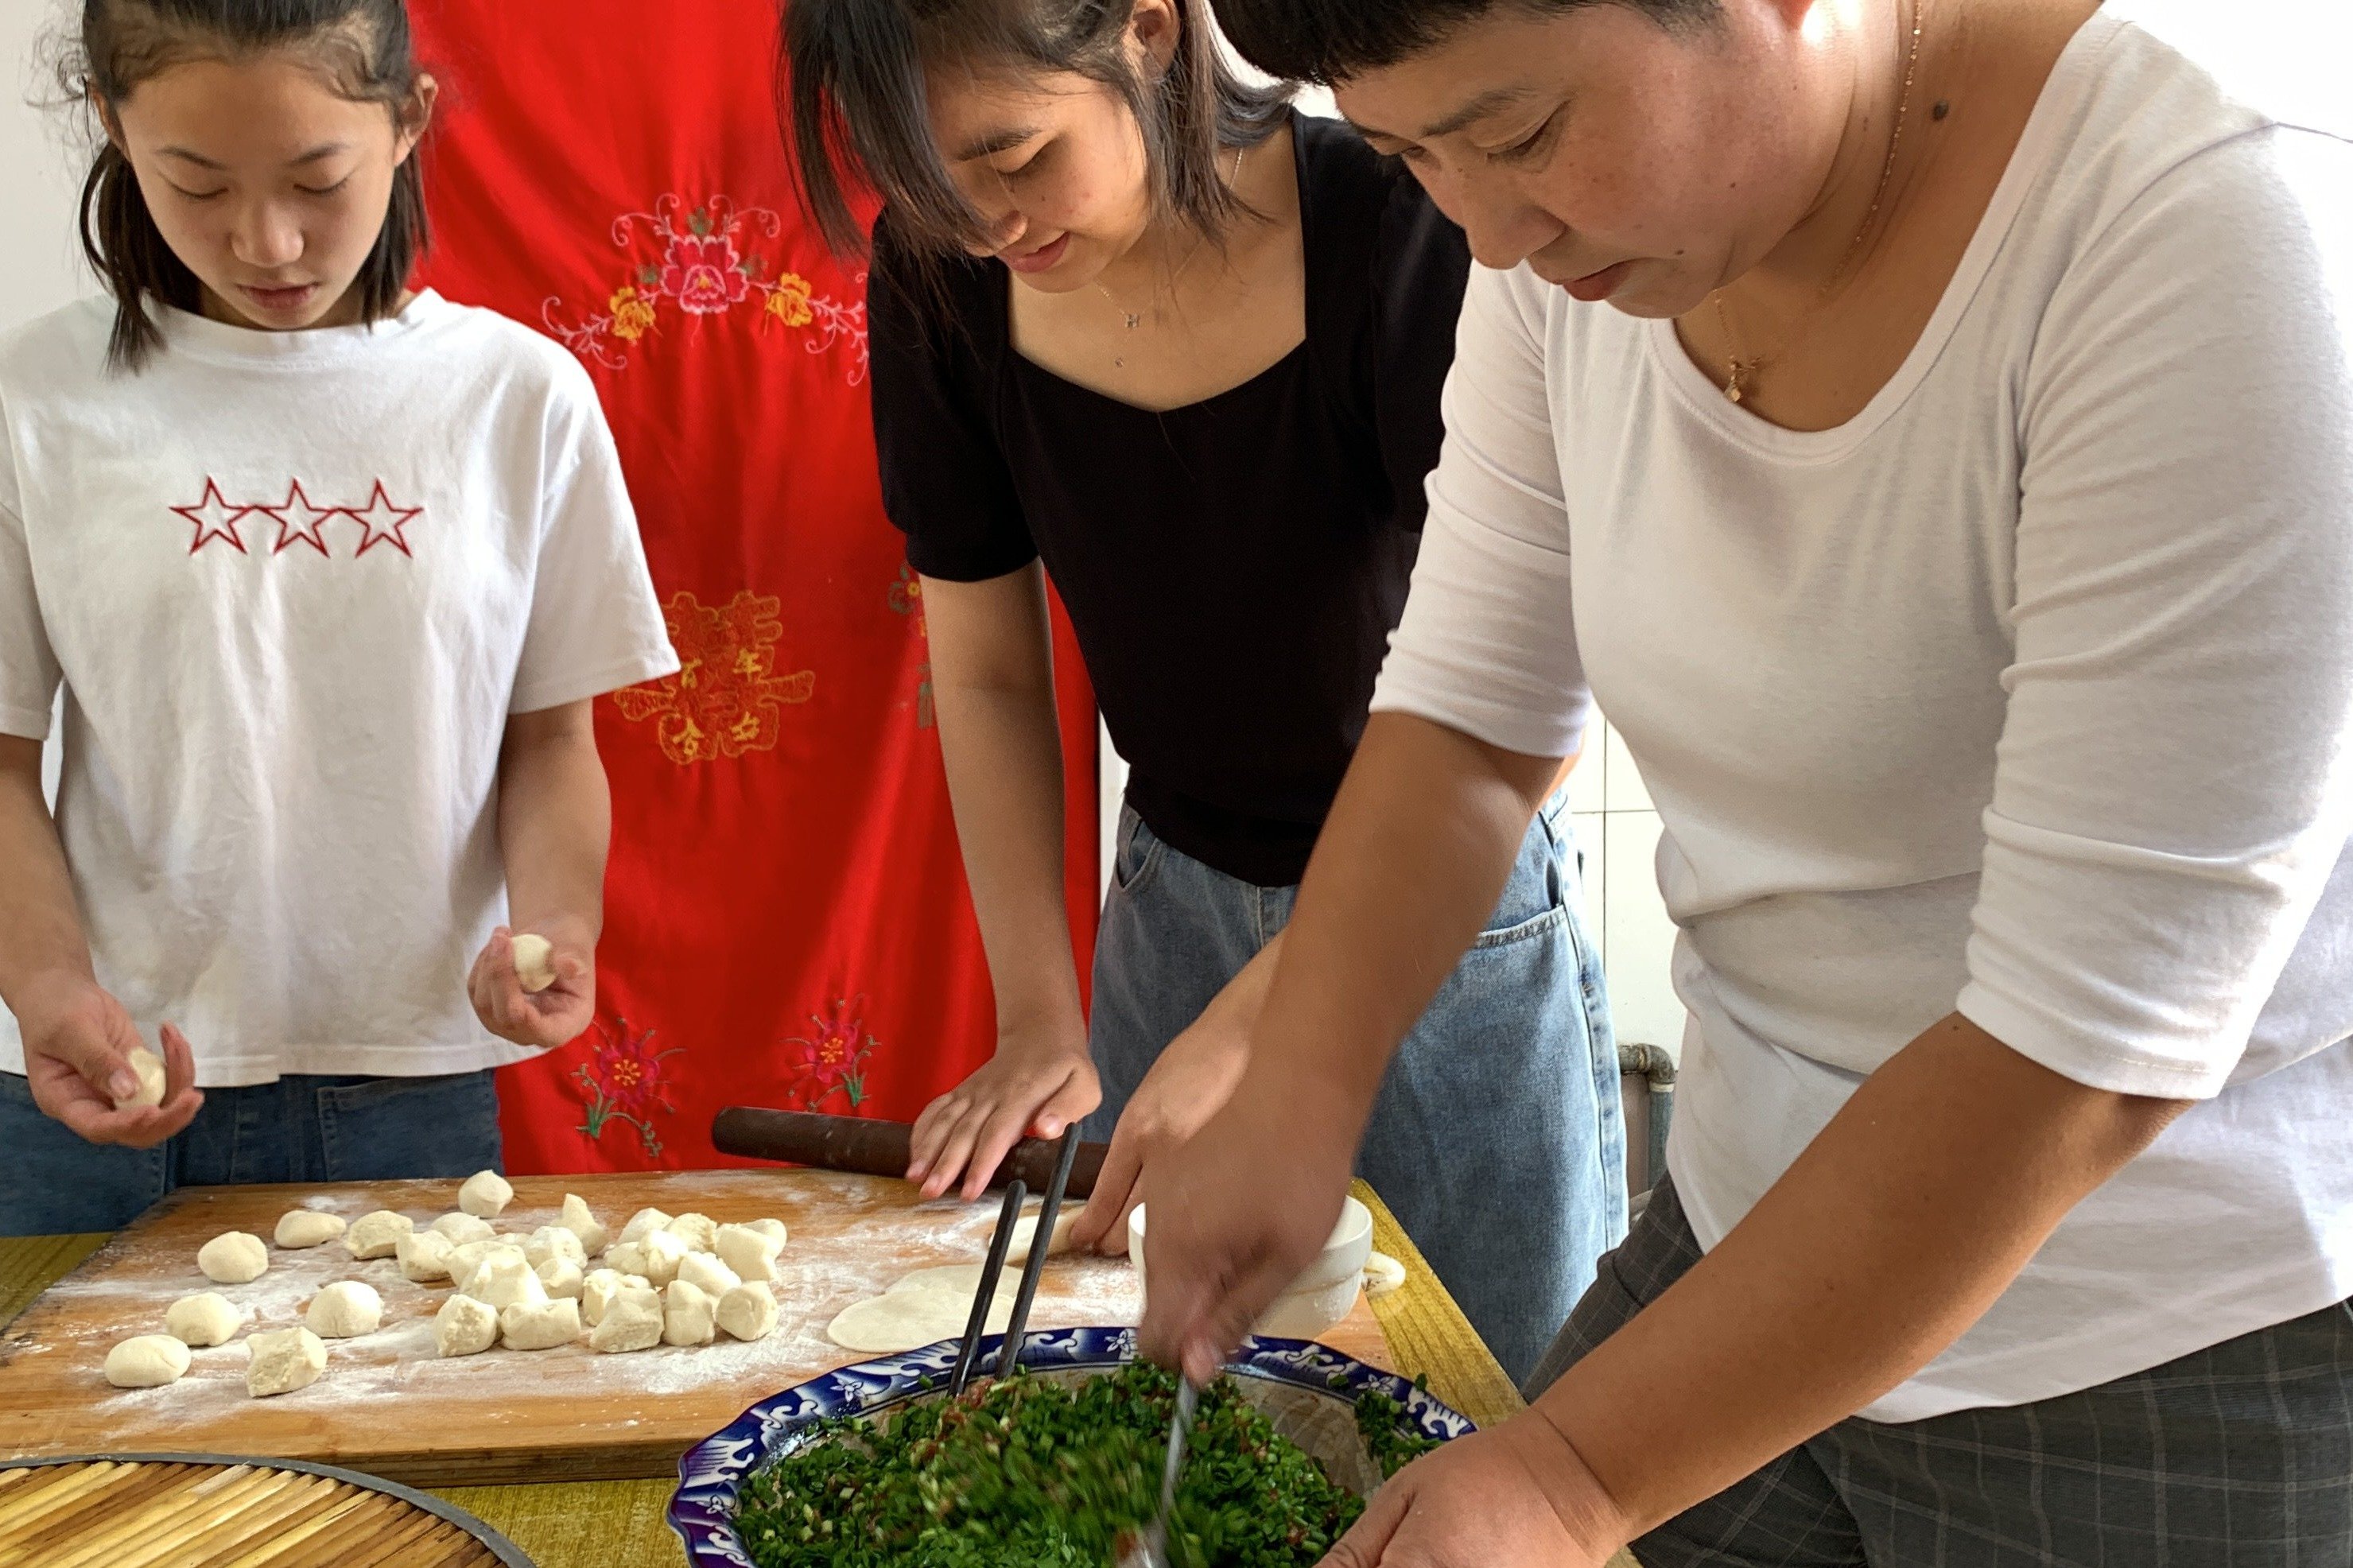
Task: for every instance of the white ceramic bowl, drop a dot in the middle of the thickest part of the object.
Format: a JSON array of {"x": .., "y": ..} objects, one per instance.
[{"x": 1323, "y": 1295}]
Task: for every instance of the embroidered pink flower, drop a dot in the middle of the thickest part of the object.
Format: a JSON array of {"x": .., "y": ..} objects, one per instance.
[
  {"x": 703, "y": 275},
  {"x": 834, "y": 1061}
]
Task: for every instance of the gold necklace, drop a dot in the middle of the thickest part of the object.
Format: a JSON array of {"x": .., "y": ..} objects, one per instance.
[
  {"x": 1134, "y": 319},
  {"x": 1740, "y": 374}
]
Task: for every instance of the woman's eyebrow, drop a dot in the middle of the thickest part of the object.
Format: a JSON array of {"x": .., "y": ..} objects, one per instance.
[{"x": 1003, "y": 141}]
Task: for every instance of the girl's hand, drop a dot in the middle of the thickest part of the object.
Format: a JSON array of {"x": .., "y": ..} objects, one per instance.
[
  {"x": 1035, "y": 1084},
  {"x": 1514, "y": 1496},
  {"x": 542, "y": 1019},
  {"x": 77, "y": 1043},
  {"x": 1193, "y": 1079}
]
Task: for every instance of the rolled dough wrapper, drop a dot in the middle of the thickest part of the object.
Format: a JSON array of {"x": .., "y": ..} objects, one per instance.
[
  {"x": 1025, "y": 1231},
  {"x": 485, "y": 1194},
  {"x": 749, "y": 1251},
  {"x": 282, "y": 1361},
  {"x": 377, "y": 1234},
  {"x": 465, "y": 1327},
  {"x": 233, "y": 1257},
  {"x": 423, "y": 1257},
  {"x": 344, "y": 1311},
  {"x": 689, "y": 1316},
  {"x": 707, "y": 1275},
  {"x": 561, "y": 1279},
  {"x": 307, "y": 1228},
  {"x": 698, "y": 1231},
  {"x": 632, "y": 1322},
  {"x": 643, "y": 1223},
  {"x": 148, "y": 1361},
  {"x": 462, "y": 1228},
  {"x": 206, "y": 1318},
  {"x": 748, "y": 1311},
  {"x": 149, "y": 1067},
  {"x": 582, "y": 1223},
  {"x": 541, "y": 1327},
  {"x": 599, "y": 1290},
  {"x": 926, "y": 1306}
]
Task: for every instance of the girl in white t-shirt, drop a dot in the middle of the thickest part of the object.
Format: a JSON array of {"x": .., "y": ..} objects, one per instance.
[{"x": 330, "y": 574}]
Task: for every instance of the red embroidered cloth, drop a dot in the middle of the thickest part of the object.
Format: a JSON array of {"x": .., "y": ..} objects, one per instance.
[{"x": 787, "y": 920}]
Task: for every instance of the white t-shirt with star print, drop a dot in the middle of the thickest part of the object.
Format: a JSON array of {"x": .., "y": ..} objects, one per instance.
[{"x": 293, "y": 585}]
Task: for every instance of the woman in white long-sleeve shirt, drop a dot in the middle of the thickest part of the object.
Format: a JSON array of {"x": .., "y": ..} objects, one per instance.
[{"x": 1952, "y": 503}]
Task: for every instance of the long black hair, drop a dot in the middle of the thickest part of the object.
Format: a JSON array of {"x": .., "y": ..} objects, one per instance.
[
  {"x": 366, "y": 47},
  {"x": 1329, "y": 41},
  {"x": 851, "y": 92}
]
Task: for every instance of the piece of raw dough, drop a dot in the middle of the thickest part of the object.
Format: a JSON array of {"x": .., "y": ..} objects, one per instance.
[
  {"x": 541, "y": 1327},
  {"x": 234, "y": 1258},
  {"x": 462, "y": 1228},
  {"x": 698, "y": 1231},
  {"x": 642, "y": 1222},
  {"x": 774, "y": 1228},
  {"x": 423, "y": 1257},
  {"x": 533, "y": 971},
  {"x": 466, "y": 1256},
  {"x": 1383, "y": 1274},
  {"x": 307, "y": 1228},
  {"x": 657, "y": 1256},
  {"x": 148, "y": 1361},
  {"x": 282, "y": 1361},
  {"x": 464, "y": 1326},
  {"x": 560, "y": 1277},
  {"x": 206, "y": 1318},
  {"x": 555, "y": 1241},
  {"x": 750, "y": 1251},
  {"x": 598, "y": 1290},
  {"x": 505, "y": 1278},
  {"x": 748, "y": 1311},
  {"x": 344, "y": 1311},
  {"x": 689, "y": 1315},
  {"x": 485, "y": 1194},
  {"x": 377, "y": 1234},
  {"x": 632, "y": 1321},
  {"x": 149, "y": 1067},
  {"x": 582, "y": 1223},
  {"x": 707, "y": 1275},
  {"x": 1024, "y": 1230},
  {"x": 926, "y": 1306}
]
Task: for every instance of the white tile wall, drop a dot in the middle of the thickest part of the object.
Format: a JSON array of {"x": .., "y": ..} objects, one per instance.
[{"x": 1617, "y": 832}]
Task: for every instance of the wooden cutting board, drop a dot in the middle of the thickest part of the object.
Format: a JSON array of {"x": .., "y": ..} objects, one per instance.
[{"x": 388, "y": 1406}]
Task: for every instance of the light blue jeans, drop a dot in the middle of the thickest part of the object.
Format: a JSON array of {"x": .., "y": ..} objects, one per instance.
[
  {"x": 1497, "y": 1140},
  {"x": 299, "y": 1129}
]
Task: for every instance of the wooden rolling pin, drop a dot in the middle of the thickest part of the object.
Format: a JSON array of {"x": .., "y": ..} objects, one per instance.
[{"x": 871, "y": 1148}]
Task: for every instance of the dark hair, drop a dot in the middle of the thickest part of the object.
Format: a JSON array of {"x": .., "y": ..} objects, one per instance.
[
  {"x": 364, "y": 45},
  {"x": 1331, "y": 41},
  {"x": 850, "y": 90}
]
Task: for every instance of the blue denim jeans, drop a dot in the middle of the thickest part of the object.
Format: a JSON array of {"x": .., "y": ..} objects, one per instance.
[
  {"x": 1497, "y": 1140},
  {"x": 300, "y": 1128}
]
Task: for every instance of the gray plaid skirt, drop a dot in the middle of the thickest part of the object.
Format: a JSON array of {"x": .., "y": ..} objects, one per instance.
[{"x": 2237, "y": 1456}]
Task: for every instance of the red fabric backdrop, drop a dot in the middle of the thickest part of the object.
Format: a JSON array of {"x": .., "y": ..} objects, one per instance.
[{"x": 787, "y": 918}]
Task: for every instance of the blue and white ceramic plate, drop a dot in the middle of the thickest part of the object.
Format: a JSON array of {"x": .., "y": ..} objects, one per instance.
[{"x": 1309, "y": 1391}]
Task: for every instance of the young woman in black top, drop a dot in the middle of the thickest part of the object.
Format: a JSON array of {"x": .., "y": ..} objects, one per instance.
[{"x": 1141, "y": 328}]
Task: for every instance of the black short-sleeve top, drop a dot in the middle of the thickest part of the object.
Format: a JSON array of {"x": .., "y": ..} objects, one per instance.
[{"x": 1233, "y": 568}]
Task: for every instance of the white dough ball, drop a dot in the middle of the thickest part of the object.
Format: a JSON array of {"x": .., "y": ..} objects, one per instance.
[
  {"x": 465, "y": 1327},
  {"x": 377, "y": 1234},
  {"x": 234, "y": 1258},
  {"x": 149, "y": 1360},
  {"x": 149, "y": 1067},
  {"x": 206, "y": 1318},
  {"x": 485, "y": 1194},
  {"x": 748, "y": 1311},
  {"x": 462, "y": 1228},
  {"x": 599, "y": 1290},
  {"x": 707, "y": 1275},
  {"x": 560, "y": 1278},
  {"x": 774, "y": 1228},
  {"x": 283, "y": 1360},
  {"x": 642, "y": 1222},
  {"x": 543, "y": 1326},
  {"x": 551, "y": 1241},
  {"x": 688, "y": 1315},
  {"x": 423, "y": 1257},
  {"x": 533, "y": 969},
  {"x": 698, "y": 1231},
  {"x": 632, "y": 1321},
  {"x": 656, "y": 1256},
  {"x": 580, "y": 1222},
  {"x": 344, "y": 1311},
  {"x": 307, "y": 1228},
  {"x": 750, "y": 1251},
  {"x": 504, "y": 1279}
]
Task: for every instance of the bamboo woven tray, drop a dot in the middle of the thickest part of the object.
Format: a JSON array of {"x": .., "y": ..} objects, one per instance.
[{"x": 181, "y": 1511}]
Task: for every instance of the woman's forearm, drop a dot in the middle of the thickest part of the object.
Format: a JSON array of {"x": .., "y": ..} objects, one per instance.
[
  {"x": 555, "y": 821},
  {"x": 41, "y": 933}
]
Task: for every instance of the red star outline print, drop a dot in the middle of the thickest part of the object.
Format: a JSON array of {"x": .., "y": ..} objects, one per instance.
[{"x": 299, "y": 519}]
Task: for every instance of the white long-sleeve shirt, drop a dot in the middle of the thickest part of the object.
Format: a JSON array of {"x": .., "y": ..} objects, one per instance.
[{"x": 2027, "y": 692}]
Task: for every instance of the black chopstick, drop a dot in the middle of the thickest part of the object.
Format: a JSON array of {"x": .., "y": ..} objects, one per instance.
[
  {"x": 1042, "y": 1241},
  {"x": 1001, "y": 1243}
]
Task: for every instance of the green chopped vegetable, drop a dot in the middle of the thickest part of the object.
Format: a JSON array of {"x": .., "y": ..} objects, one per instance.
[{"x": 1027, "y": 1471}]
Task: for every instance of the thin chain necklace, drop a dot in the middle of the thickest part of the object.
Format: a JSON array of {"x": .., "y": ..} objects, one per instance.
[
  {"x": 1740, "y": 372},
  {"x": 1134, "y": 319}
]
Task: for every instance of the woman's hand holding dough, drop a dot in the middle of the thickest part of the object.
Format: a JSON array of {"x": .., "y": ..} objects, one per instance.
[
  {"x": 1038, "y": 1083},
  {"x": 78, "y": 1046},
  {"x": 552, "y": 1016}
]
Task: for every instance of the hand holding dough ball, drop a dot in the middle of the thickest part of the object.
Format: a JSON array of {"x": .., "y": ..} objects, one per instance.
[
  {"x": 561, "y": 1279},
  {"x": 485, "y": 1194},
  {"x": 631, "y": 1321},
  {"x": 642, "y": 1222},
  {"x": 535, "y": 964},
  {"x": 543, "y": 1326},
  {"x": 688, "y": 1315},
  {"x": 149, "y": 1067},
  {"x": 307, "y": 1228},
  {"x": 283, "y": 1360},
  {"x": 707, "y": 1274},
  {"x": 750, "y": 1251},
  {"x": 344, "y": 1311},
  {"x": 465, "y": 1327},
  {"x": 551, "y": 1241},
  {"x": 581, "y": 1223},
  {"x": 207, "y": 1318},
  {"x": 698, "y": 1231},
  {"x": 150, "y": 1361},
  {"x": 234, "y": 1258},
  {"x": 748, "y": 1311},
  {"x": 423, "y": 1257},
  {"x": 602, "y": 1288},
  {"x": 462, "y": 1227},
  {"x": 377, "y": 1234}
]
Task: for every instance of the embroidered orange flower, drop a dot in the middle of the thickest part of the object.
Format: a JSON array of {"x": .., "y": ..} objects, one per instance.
[
  {"x": 834, "y": 1061},
  {"x": 633, "y": 313},
  {"x": 703, "y": 274},
  {"x": 788, "y": 300},
  {"x": 727, "y": 699}
]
